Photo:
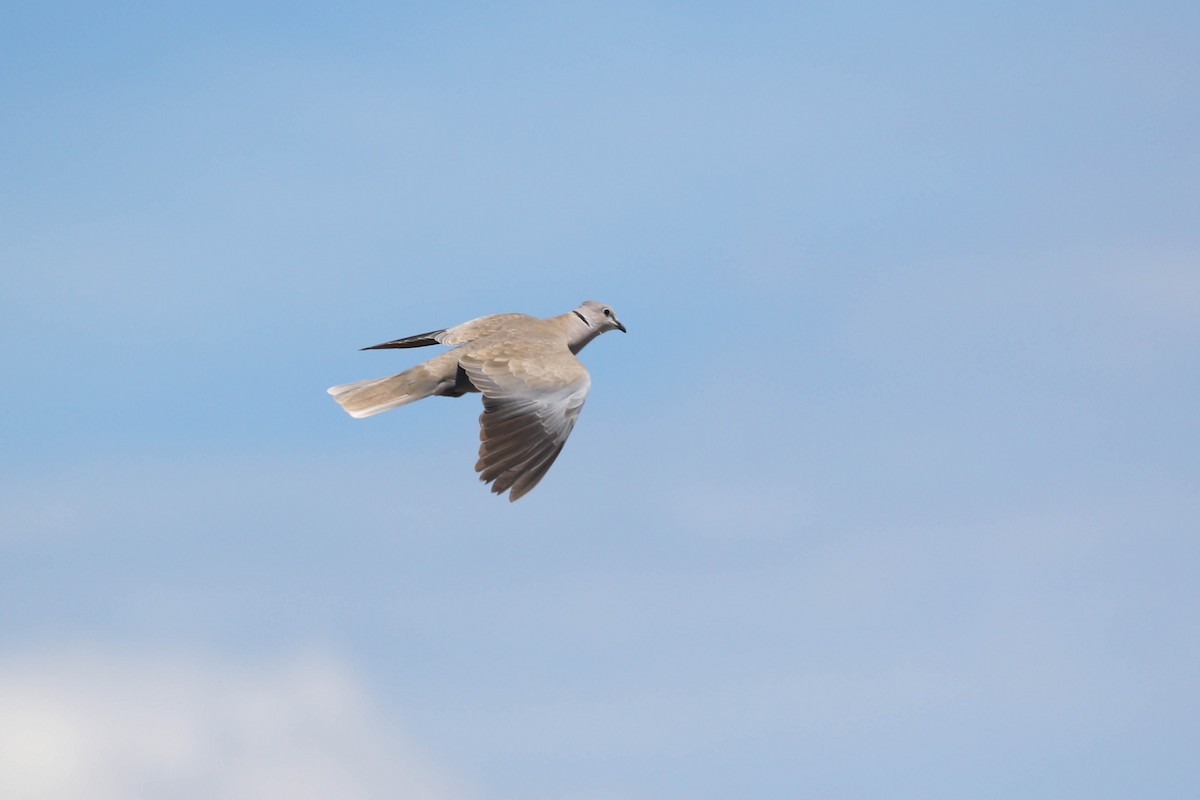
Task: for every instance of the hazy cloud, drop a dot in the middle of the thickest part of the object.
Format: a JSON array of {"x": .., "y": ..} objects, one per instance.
[{"x": 79, "y": 722}]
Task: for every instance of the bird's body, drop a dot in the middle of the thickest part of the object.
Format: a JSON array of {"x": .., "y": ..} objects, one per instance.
[{"x": 533, "y": 386}]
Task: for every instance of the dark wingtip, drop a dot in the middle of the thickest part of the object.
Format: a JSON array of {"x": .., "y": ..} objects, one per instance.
[
  {"x": 388, "y": 346},
  {"x": 420, "y": 340}
]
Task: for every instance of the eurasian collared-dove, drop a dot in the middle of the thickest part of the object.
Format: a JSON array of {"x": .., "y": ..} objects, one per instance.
[{"x": 533, "y": 386}]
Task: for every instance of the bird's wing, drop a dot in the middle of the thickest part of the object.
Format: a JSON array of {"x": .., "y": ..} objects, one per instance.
[
  {"x": 482, "y": 327},
  {"x": 468, "y": 331},
  {"x": 533, "y": 389}
]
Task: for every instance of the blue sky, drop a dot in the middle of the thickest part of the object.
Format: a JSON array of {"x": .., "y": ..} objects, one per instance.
[{"x": 890, "y": 491}]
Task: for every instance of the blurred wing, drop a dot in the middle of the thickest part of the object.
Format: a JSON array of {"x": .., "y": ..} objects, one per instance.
[{"x": 533, "y": 390}]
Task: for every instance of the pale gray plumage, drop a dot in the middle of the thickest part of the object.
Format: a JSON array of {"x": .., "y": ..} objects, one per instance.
[{"x": 533, "y": 386}]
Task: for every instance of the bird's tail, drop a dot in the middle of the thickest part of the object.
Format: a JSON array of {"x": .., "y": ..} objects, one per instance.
[{"x": 364, "y": 398}]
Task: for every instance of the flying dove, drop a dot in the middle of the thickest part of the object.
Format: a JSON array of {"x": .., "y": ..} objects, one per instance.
[{"x": 533, "y": 386}]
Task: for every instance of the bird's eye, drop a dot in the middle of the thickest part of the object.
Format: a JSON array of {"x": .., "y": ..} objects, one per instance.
[{"x": 608, "y": 312}]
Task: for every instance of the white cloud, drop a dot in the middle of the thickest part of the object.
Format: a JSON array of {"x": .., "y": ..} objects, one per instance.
[{"x": 81, "y": 723}]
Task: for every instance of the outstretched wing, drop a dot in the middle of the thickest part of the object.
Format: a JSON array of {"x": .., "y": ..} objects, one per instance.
[
  {"x": 533, "y": 389},
  {"x": 469, "y": 331}
]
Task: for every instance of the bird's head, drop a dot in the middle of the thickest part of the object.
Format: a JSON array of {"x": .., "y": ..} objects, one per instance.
[{"x": 599, "y": 317}]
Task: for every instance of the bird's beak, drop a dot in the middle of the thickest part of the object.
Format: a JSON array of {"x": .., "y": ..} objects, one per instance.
[{"x": 620, "y": 327}]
